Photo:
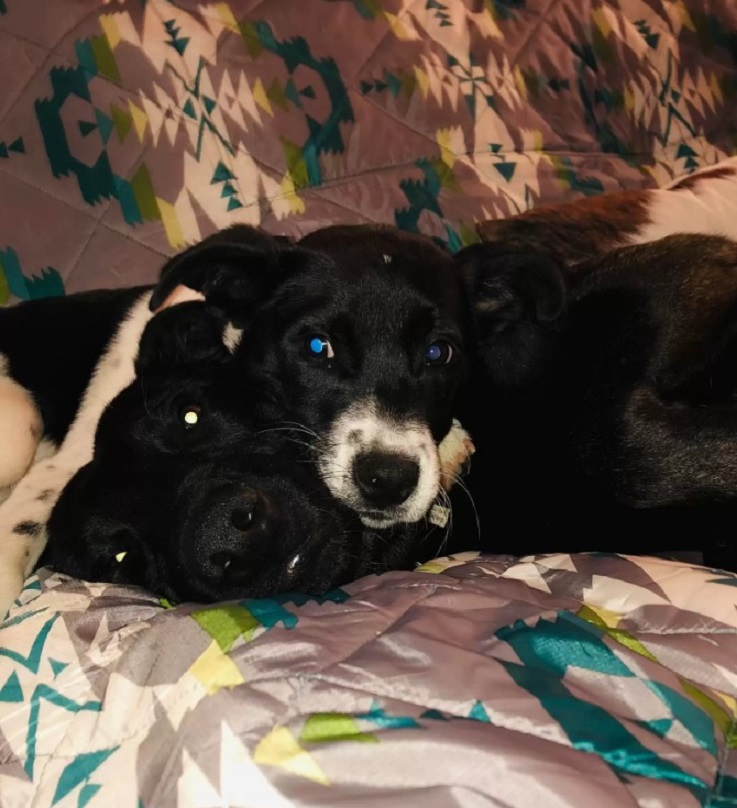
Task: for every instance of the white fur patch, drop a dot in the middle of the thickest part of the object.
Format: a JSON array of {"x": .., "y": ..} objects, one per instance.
[
  {"x": 363, "y": 428},
  {"x": 708, "y": 207},
  {"x": 31, "y": 502},
  {"x": 180, "y": 294},
  {"x": 455, "y": 452},
  {"x": 232, "y": 337},
  {"x": 46, "y": 449},
  {"x": 20, "y": 431}
]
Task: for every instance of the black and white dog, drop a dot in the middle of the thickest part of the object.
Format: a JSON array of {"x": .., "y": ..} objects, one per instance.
[
  {"x": 188, "y": 497},
  {"x": 355, "y": 336}
]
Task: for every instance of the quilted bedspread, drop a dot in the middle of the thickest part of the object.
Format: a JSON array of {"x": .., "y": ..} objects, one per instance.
[
  {"x": 561, "y": 680},
  {"x": 132, "y": 127}
]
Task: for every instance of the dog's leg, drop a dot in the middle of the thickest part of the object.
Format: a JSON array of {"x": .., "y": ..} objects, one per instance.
[
  {"x": 669, "y": 453},
  {"x": 20, "y": 431},
  {"x": 24, "y": 515}
]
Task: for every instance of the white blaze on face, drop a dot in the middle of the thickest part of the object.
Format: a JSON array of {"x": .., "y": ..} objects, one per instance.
[
  {"x": 364, "y": 428},
  {"x": 232, "y": 337}
]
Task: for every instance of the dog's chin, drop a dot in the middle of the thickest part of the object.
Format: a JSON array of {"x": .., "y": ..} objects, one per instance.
[
  {"x": 376, "y": 521},
  {"x": 407, "y": 513}
]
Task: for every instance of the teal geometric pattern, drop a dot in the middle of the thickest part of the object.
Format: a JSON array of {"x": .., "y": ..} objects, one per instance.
[
  {"x": 476, "y": 678},
  {"x": 365, "y": 110},
  {"x": 199, "y": 107},
  {"x": 13, "y": 283},
  {"x": 77, "y": 772},
  {"x": 549, "y": 649},
  {"x": 223, "y": 174},
  {"x": 175, "y": 41},
  {"x": 16, "y": 146}
]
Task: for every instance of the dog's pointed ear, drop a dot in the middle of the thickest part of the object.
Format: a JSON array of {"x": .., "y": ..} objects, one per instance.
[
  {"x": 232, "y": 269},
  {"x": 184, "y": 335},
  {"x": 517, "y": 303}
]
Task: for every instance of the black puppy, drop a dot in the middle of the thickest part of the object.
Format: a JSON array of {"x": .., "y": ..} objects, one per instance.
[
  {"x": 608, "y": 418},
  {"x": 357, "y": 336},
  {"x": 185, "y": 496}
]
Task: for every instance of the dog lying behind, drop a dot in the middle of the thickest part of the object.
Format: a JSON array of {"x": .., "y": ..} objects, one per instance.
[
  {"x": 704, "y": 202},
  {"x": 625, "y": 437},
  {"x": 355, "y": 337},
  {"x": 186, "y": 495}
]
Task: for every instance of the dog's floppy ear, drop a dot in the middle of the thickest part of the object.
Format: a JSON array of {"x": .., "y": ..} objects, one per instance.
[
  {"x": 86, "y": 541},
  {"x": 517, "y": 303},
  {"x": 186, "y": 334},
  {"x": 233, "y": 269}
]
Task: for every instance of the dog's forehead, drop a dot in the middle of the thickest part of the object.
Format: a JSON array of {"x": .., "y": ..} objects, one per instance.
[{"x": 357, "y": 266}]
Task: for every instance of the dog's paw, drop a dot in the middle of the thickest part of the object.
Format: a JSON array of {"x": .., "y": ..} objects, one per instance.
[{"x": 454, "y": 452}]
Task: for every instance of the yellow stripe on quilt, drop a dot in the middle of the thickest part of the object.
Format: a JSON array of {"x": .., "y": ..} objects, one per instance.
[
  {"x": 226, "y": 17},
  {"x": 173, "y": 228},
  {"x": 109, "y": 26},
  {"x": 281, "y": 749},
  {"x": 215, "y": 670}
]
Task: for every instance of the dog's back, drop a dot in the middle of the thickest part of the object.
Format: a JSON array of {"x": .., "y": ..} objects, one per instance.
[
  {"x": 630, "y": 445},
  {"x": 51, "y": 347}
]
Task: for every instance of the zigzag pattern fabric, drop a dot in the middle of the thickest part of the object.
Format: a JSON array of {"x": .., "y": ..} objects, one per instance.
[
  {"x": 555, "y": 680},
  {"x": 131, "y": 128}
]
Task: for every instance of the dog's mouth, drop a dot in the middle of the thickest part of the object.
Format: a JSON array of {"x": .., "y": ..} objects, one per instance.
[{"x": 378, "y": 519}]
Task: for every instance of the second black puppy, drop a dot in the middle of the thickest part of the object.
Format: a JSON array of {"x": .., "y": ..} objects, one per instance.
[
  {"x": 188, "y": 498},
  {"x": 609, "y": 420}
]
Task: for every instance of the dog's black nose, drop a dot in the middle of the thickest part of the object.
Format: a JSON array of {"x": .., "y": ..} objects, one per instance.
[
  {"x": 385, "y": 479},
  {"x": 254, "y": 521}
]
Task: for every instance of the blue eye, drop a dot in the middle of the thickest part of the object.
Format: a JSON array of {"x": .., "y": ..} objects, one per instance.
[
  {"x": 439, "y": 352},
  {"x": 319, "y": 347}
]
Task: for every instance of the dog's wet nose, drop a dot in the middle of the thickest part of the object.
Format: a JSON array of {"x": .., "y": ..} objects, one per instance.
[
  {"x": 251, "y": 512},
  {"x": 254, "y": 522},
  {"x": 385, "y": 479}
]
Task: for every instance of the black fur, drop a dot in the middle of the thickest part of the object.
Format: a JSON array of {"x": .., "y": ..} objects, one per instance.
[
  {"x": 53, "y": 345},
  {"x": 625, "y": 437},
  {"x": 380, "y": 315},
  {"x": 182, "y": 501}
]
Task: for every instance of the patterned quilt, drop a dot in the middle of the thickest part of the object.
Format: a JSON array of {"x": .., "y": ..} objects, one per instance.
[
  {"x": 560, "y": 680},
  {"x": 129, "y": 128}
]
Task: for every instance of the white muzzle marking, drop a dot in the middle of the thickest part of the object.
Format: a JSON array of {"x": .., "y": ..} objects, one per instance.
[{"x": 362, "y": 428}]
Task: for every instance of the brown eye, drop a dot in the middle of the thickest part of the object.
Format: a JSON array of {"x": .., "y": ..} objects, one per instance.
[{"x": 191, "y": 416}]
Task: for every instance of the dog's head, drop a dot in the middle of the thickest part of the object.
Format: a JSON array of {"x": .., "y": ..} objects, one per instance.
[
  {"x": 356, "y": 336},
  {"x": 184, "y": 497}
]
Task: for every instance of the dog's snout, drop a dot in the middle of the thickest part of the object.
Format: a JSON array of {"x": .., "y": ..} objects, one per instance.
[
  {"x": 253, "y": 513},
  {"x": 385, "y": 479},
  {"x": 252, "y": 520}
]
